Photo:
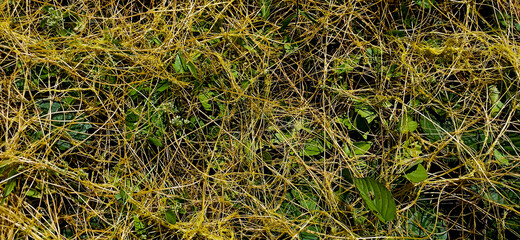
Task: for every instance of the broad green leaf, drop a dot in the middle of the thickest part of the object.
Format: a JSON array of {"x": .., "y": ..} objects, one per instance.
[
  {"x": 365, "y": 113},
  {"x": 426, "y": 4},
  {"x": 417, "y": 174},
  {"x": 131, "y": 118},
  {"x": 305, "y": 235},
  {"x": 345, "y": 121},
  {"x": 122, "y": 196},
  {"x": 204, "y": 99},
  {"x": 155, "y": 141},
  {"x": 179, "y": 64},
  {"x": 11, "y": 183},
  {"x": 286, "y": 22},
  {"x": 313, "y": 147},
  {"x": 62, "y": 145},
  {"x": 407, "y": 125},
  {"x": 139, "y": 226},
  {"x": 163, "y": 85},
  {"x": 431, "y": 128},
  {"x": 358, "y": 148},
  {"x": 500, "y": 158},
  {"x": 267, "y": 157},
  {"x": 412, "y": 150},
  {"x": 34, "y": 193},
  {"x": 377, "y": 198},
  {"x": 423, "y": 222},
  {"x": 193, "y": 70},
  {"x": 45, "y": 106},
  {"x": 494, "y": 97},
  {"x": 308, "y": 201},
  {"x": 171, "y": 217},
  {"x": 349, "y": 64},
  {"x": 265, "y": 10}
]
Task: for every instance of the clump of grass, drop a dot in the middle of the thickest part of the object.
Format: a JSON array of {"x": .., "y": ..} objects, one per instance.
[{"x": 259, "y": 119}]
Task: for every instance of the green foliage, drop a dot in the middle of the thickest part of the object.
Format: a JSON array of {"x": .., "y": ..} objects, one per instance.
[
  {"x": 423, "y": 223},
  {"x": 10, "y": 185},
  {"x": 74, "y": 123},
  {"x": 377, "y": 198},
  {"x": 426, "y": 4},
  {"x": 432, "y": 128},
  {"x": 417, "y": 173},
  {"x": 407, "y": 125},
  {"x": 212, "y": 120},
  {"x": 357, "y": 148}
]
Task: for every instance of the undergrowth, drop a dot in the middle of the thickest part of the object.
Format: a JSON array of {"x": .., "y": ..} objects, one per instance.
[{"x": 259, "y": 119}]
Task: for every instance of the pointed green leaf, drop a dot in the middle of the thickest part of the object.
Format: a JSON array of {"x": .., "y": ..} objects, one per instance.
[
  {"x": 313, "y": 147},
  {"x": 204, "y": 99},
  {"x": 33, "y": 193},
  {"x": 171, "y": 217},
  {"x": 407, "y": 125},
  {"x": 366, "y": 113},
  {"x": 358, "y": 148},
  {"x": 122, "y": 196},
  {"x": 179, "y": 65},
  {"x": 417, "y": 174},
  {"x": 155, "y": 141},
  {"x": 500, "y": 158},
  {"x": 286, "y": 22},
  {"x": 139, "y": 225},
  {"x": 431, "y": 128},
  {"x": 426, "y": 4},
  {"x": 11, "y": 183},
  {"x": 193, "y": 70},
  {"x": 345, "y": 121},
  {"x": 377, "y": 198},
  {"x": 163, "y": 85},
  {"x": 266, "y": 8}
]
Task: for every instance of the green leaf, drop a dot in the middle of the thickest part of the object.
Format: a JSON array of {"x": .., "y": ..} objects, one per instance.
[
  {"x": 423, "y": 223},
  {"x": 305, "y": 235},
  {"x": 155, "y": 141},
  {"x": 265, "y": 10},
  {"x": 193, "y": 69},
  {"x": 345, "y": 121},
  {"x": 62, "y": 145},
  {"x": 308, "y": 16},
  {"x": 417, "y": 174},
  {"x": 204, "y": 99},
  {"x": 179, "y": 64},
  {"x": 500, "y": 158},
  {"x": 425, "y": 4},
  {"x": 349, "y": 64},
  {"x": 397, "y": 33},
  {"x": 139, "y": 226},
  {"x": 171, "y": 217},
  {"x": 313, "y": 147},
  {"x": 407, "y": 125},
  {"x": 286, "y": 22},
  {"x": 377, "y": 198},
  {"x": 308, "y": 201},
  {"x": 163, "y": 85},
  {"x": 45, "y": 106},
  {"x": 359, "y": 148},
  {"x": 412, "y": 149},
  {"x": 33, "y": 193},
  {"x": 122, "y": 197},
  {"x": 494, "y": 97},
  {"x": 431, "y": 128},
  {"x": 11, "y": 183},
  {"x": 365, "y": 112}
]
